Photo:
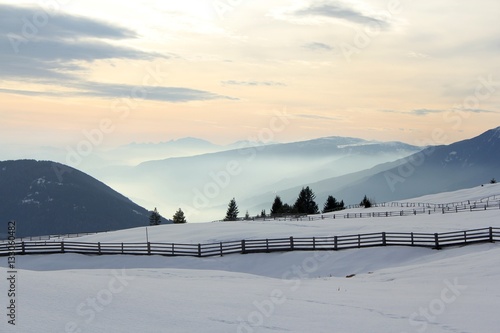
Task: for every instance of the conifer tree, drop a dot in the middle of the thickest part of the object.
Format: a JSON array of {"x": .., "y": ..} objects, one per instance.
[
  {"x": 232, "y": 211},
  {"x": 277, "y": 208},
  {"x": 332, "y": 205},
  {"x": 179, "y": 217},
  {"x": 287, "y": 209},
  {"x": 305, "y": 203},
  {"x": 155, "y": 218},
  {"x": 367, "y": 203}
]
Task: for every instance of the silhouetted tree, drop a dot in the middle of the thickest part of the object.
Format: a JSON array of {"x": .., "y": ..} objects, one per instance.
[
  {"x": 232, "y": 211},
  {"x": 332, "y": 205},
  {"x": 179, "y": 217},
  {"x": 367, "y": 203},
  {"x": 493, "y": 181},
  {"x": 287, "y": 209},
  {"x": 305, "y": 202},
  {"x": 154, "y": 218},
  {"x": 263, "y": 213},
  {"x": 277, "y": 208},
  {"x": 247, "y": 216}
]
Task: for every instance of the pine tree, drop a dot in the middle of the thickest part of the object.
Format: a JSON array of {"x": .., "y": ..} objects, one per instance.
[
  {"x": 287, "y": 209},
  {"x": 305, "y": 203},
  {"x": 263, "y": 213},
  {"x": 366, "y": 203},
  {"x": 179, "y": 217},
  {"x": 247, "y": 216},
  {"x": 154, "y": 218},
  {"x": 232, "y": 211},
  {"x": 277, "y": 208},
  {"x": 332, "y": 205}
]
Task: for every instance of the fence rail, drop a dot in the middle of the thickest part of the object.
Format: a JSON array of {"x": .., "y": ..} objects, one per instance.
[
  {"x": 430, "y": 240},
  {"x": 53, "y": 237},
  {"x": 418, "y": 209}
]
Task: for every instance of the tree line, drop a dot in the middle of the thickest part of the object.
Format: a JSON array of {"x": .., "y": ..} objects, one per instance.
[
  {"x": 155, "y": 217},
  {"x": 305, "y": 204}
]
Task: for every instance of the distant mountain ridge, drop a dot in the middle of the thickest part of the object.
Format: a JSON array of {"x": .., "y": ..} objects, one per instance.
[
  {"x": 50, "y": 198},
  {"x": 460, "y": 165},
  {"x": 210, "y": 178}
]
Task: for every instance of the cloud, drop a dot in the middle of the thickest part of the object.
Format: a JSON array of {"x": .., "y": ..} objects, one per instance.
[
  {"x": 338, "y": 10},
  {"x": 476, "y": 110},
  {"x": 317, "y": 46},
  {"x": 424, "y": 112},
  {"x": 30, "y": 36},
  {"x": 252, "y": 83},
  {"x": 314, "y": 116},
  {"x": 37, "y": 22},
  {"x": 106, "y": 90},
  {"x": 52, "y": 48},
  {"x": 418, "y": 55},
  {"x": 166, "y": 94}
]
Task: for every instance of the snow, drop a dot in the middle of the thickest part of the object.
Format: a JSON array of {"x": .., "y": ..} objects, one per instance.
[{"x": 391, "y": 289}]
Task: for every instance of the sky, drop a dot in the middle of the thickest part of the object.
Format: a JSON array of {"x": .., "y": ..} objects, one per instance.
[{"x": 114, "y": 72}]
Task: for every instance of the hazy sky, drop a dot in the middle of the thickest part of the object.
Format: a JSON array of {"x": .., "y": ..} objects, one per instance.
[{"x": 423, "y": 72}]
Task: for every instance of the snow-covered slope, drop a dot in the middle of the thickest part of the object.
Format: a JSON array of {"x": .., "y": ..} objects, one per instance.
[
  {"x": 394, "y": 289},
  {"x": 227, "y": 231}
]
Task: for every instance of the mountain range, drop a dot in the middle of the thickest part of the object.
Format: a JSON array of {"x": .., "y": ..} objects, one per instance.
[
  {"x": 47, "y": 197},
  {"x": 203, "y": 184},
  {"x": 435, "y": 169},
  {"x": 50, "y": 198}
]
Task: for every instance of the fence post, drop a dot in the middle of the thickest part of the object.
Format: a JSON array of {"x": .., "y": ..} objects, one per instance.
[
  {"x": 491, "y": 234},
  {"x": 335, "y": 243},
  {"x": 62, "y": 246},
  {"x": 23, "y": 248},
  {"x": 359, "y": 241},
  {"x": 243, "y": 246},
  {"x": 173, "y": 249},
  {"x": 267, "y": 245},
  {"x": 221, "y": 251},
  {"x": 465, "y": 236},
  {"x": 199, "y": 250},
  {"x": 291, "y": 243},
  {"x": 99, "y": 247},
  {"x": 149, "y": 248},
  {"x": 384, "y": 240},
  {"x": 314, "y": 243},
  {"x": 122, "y": 247},
  {"x": 436, "y": 240},
  {"x": 412, "y": 239}
]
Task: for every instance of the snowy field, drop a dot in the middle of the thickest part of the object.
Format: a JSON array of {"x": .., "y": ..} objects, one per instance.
[{"x": 393, "y": 289}]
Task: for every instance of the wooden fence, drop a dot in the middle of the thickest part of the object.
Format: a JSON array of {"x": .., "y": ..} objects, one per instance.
[
  {"x": 418, "y": 210},
  {"x": 53, "y": 237},
  {"x": 435, "y": 241}
]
